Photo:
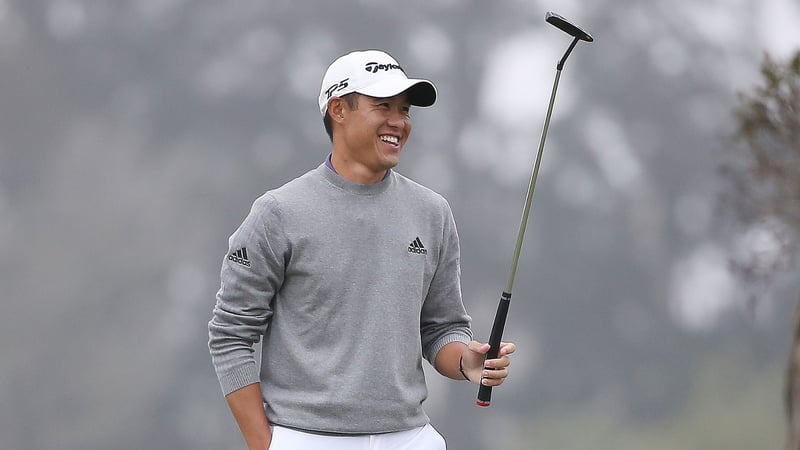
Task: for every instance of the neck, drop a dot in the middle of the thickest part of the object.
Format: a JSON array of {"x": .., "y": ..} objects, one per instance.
[{"x": 354, "y": 171}]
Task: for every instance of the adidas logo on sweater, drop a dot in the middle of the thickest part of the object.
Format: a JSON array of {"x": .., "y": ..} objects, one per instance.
[
  {"x": 416, "y": 247},
  {"x": 240, "y": 256}
]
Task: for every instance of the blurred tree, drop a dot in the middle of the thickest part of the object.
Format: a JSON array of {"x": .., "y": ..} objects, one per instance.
[{"x": 766, "y": 196}]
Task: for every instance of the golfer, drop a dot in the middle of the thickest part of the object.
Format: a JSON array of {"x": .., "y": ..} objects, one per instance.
[{"x": 350, "y": 274}]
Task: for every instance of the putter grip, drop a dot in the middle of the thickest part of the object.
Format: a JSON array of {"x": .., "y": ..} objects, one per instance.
[{"x": 485, "y": 392}]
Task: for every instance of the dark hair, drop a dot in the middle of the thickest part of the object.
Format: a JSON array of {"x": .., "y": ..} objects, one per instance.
[{"x": 352, "y": 102}]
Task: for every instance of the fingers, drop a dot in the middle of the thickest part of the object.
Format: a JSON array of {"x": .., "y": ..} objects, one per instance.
[
  {"x": 493, "y": 377},
  {"x": 494, "y": 371},
  {"x": 507, "y": 348},
  {"x": 499, "y": 363}
]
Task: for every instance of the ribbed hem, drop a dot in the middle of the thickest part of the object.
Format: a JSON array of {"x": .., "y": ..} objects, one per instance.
[
  {"x": 238, "y": 377},
  {"x": 455, "y": 336}
]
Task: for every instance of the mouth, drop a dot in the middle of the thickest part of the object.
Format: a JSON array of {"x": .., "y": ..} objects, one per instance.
[{"x": 389, "y": 139}]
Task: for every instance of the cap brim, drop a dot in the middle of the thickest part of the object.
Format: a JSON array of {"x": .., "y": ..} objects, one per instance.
[{"x": 420, "y": 92}]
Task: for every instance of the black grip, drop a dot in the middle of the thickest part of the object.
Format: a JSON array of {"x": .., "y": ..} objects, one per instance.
[{"x": 485, "y": 392}]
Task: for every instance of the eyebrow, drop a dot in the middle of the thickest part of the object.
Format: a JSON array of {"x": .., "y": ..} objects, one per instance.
[{"x": 379, "y": 100}]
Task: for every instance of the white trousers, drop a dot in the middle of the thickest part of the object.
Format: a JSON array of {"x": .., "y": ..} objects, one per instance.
[{"x": 422, "y": 438}]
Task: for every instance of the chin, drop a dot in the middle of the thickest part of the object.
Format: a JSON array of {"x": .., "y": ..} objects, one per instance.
[
  {"x": 391, "y": 159},
  {"x": 391, "y": 162}
]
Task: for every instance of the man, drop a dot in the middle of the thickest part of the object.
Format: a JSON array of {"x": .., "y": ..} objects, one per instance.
[{"x": 351, "y": 275}]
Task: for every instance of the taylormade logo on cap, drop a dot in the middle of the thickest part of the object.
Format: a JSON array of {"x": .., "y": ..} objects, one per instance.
[
  {"x": 374, "y": 67},
  {"x": 374, "y": 73}
]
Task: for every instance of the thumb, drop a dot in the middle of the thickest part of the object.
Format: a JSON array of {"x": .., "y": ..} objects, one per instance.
[
  {"x": 472, "y": 359},
  {"x": 479, "y": 347}
]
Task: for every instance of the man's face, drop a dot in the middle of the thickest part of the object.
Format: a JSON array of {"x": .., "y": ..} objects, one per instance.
[{"x": 376, "y": 130}]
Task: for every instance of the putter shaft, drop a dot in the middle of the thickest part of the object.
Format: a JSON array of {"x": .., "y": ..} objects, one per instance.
[{"x": 496, "y": 336}]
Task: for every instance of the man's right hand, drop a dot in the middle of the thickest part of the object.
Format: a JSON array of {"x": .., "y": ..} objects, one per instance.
[{"x": 247, "y": 407}]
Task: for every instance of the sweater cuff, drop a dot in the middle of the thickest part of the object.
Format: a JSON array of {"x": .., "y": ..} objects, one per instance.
[
  {"x": 238, "y": 377},
  {"x": 455, "y": 336}
]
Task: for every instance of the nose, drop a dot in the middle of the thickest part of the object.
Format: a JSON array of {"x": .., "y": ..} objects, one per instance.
[{"x": 398, "y": 118}]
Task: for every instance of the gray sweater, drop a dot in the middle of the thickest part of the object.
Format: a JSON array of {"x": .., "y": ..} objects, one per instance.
[{"x": 350, "y": 286}]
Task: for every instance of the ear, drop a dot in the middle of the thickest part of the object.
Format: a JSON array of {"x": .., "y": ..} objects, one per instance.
[{"x": 336, "y": 109}]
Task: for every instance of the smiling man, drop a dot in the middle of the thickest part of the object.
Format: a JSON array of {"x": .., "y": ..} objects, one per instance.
[{"x": 351, "y": 276}]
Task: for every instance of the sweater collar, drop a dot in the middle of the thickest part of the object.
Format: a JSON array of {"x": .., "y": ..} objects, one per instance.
[{"x": 327, "y": 171}]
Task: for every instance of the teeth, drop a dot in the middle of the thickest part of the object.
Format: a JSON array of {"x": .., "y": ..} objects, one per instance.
[{"x": 392, "y": 139}]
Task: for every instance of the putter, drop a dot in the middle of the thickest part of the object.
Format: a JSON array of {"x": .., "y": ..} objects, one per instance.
[{"x": 485, "y": 392}]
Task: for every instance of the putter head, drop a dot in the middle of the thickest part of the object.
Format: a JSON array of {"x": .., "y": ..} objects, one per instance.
[{"x": 567, "y": 27}]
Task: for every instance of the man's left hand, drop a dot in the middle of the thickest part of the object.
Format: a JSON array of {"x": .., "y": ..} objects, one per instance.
[{"x": 489, "y": 372}]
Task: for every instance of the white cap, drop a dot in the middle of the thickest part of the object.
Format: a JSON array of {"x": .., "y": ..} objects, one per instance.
[{"x": 373, "y": 73}]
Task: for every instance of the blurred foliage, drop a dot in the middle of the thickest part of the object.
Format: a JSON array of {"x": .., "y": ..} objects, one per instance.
[
  {"x": 766, "y": 180},
  {"x": 767, "y": 194},
  {"x": 768, "y": 122}
]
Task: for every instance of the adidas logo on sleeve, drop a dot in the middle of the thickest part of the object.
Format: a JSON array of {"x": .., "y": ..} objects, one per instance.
[
  {"x": 416, "y": 247},
  {"x": 240, "y": 256}
]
